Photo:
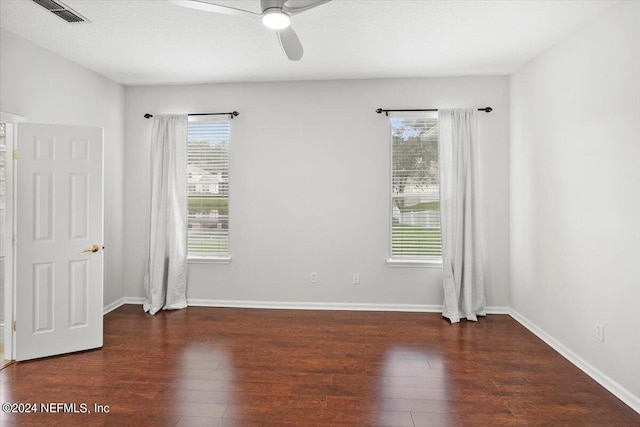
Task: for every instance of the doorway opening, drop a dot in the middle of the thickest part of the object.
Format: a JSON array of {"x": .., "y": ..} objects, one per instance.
[
  {"x": 4, "y": 319},
  {"x": 8, "y": 123}
]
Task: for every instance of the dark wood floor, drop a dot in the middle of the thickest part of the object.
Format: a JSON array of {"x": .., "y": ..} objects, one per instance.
[{"x": 247, "y": 367}]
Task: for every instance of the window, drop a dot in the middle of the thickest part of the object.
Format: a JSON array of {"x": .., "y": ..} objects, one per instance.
[
  {"x": 208, "y": 189},
  {"x": 415, "y": 189}
]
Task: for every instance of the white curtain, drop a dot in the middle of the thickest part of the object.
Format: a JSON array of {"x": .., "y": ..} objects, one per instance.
[
  {"x": 461, "y": 252},
  {"x": 166, "y": 273}
]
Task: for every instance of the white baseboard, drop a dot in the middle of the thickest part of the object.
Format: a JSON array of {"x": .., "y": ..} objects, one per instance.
[
  {"x": 134, "y": 300},
  {"x": 110, "y": 307},
  {"x": 417, "y": 308},
  {"x": 616, "y": 389},
  {"x": 496, "y": 309},
  {"x": 285, "y": 305},
  {"x": 122, "y": 301},
  {"x": 422, "y": 308}
]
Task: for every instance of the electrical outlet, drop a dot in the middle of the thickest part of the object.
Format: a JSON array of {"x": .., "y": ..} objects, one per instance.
[
  {"x": 356, "y": 278},
  {"x": 599, "y": 331},
  {"x": 314, "y": 277}
]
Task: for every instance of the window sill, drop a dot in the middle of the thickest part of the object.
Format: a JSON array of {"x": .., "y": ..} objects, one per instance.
[
  {"x": 217, "y": 260},
  {"x": 415, "y": 263}
]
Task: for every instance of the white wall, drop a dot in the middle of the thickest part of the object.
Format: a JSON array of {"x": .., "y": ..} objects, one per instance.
[
  {"x": 575, "y": 193},
  {"x": 46, "y": 88},
  {"x": 309, "y": 187}
]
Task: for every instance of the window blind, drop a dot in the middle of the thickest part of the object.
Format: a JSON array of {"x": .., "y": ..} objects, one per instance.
[
  {"x": 415, "y": 188},
  {"x": 208, "y": 189}
]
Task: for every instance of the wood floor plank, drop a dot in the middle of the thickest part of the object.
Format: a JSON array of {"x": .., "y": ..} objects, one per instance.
[
  {"x": 437, "y": 420},
  {"x": 227, "y": 367}
]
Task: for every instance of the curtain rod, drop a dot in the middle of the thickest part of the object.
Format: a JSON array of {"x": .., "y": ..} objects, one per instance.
[
  {"x": 231, "y": 114},
  {"x": 386, "y": 112}
]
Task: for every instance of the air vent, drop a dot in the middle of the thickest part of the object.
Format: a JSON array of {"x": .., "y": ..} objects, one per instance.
[{"x": 61, "y": 10}]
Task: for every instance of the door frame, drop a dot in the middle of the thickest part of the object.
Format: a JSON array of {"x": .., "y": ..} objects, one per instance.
[{"x": 10, "y": 120}]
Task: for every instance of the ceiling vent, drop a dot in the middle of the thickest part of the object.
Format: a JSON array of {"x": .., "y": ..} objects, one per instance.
[{"x": 61, "y": 10}]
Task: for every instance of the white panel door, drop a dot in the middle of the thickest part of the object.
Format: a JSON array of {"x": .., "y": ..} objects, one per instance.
[{"x": 59, "y": 240}]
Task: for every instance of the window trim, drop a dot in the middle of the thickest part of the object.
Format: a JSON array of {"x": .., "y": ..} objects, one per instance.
[
  {"x": 193, "y": 259},
  {"x": 214, "y": 259},
  {"x": 412, "y": 261},
  {"x": 432, "y": 262}
]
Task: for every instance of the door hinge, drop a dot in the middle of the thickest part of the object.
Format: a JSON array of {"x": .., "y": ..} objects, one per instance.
[
  {"x": 15, "y": 154},
  {"x": 15, "y": 239},
  {"x": 14, "y": 326}
]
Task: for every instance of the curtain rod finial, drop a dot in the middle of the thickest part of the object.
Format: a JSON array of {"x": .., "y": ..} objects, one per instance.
[
  {"x": 379, "y": 110},
  {"x": 148, "y": 116},
  {"x": 488, "y": 109}
]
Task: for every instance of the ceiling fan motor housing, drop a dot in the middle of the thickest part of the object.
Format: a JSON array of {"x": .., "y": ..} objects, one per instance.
[{"x": 271, "y": 4}]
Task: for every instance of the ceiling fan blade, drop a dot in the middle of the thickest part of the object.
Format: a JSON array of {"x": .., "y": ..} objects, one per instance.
[
  {"x": 215, "y": 8},
  {"x": 290, "y": 43},
  {"x": 293, "y": 7}
]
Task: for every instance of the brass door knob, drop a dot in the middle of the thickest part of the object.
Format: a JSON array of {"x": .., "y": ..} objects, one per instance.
[{"x": 93, "y": 248}]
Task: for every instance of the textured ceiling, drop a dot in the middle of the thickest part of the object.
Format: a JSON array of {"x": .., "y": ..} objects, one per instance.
[{"x": 153, "y": 41}]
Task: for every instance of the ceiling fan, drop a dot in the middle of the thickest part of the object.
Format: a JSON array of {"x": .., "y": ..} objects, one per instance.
[{"x": 276, "y": 15}]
